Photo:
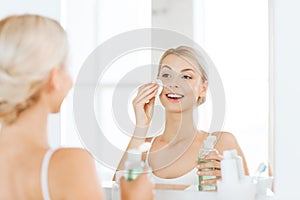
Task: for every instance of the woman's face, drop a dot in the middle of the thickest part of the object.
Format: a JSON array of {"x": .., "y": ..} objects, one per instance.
[{"x": 182, "y": 84}]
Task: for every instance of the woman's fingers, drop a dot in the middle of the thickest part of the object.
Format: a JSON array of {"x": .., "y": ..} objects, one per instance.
[
  {"x": 207, "y": 165},
  {"x": 146, "y": 93},
  {"x": 144, "y": 104},
  {"x": 210, "y": 181},
  {"x": 140, "y": 188},
  {"x": 213, "y": 156},
  {"x": 209, "y": 173},
  {"x": 212, "y": 168},
  {"x": 149, "y": 107}
]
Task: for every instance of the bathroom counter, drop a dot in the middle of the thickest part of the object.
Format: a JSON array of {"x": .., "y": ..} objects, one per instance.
[
  {"x": 179, "y": 194},
  {"x": 176, "y": 194},
  {"x": 173, "y": 194}
]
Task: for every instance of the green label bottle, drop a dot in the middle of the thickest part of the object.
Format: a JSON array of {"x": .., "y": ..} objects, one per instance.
[
  {"x": 134, "y": 164},
  {"x": 208, "y": 148}
]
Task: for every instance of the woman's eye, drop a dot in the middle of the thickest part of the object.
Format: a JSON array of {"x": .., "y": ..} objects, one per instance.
[
  {"x": 186, "y": 77},
  {"x": 166, "y": 75}
]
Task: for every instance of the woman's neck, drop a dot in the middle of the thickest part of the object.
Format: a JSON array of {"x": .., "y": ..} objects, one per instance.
[
  {"x": 29, "y": 129},
  {"x": 179, "y": 126}
]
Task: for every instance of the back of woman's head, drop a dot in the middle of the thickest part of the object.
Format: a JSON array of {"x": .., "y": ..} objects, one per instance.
[{"x": 30, "y": 46}]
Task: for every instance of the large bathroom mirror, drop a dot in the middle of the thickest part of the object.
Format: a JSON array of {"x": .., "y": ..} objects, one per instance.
[
  {"x": 235, "y": 39},
  {"x": 234, "y": 33},
  {"x": 238, "y": 43}
]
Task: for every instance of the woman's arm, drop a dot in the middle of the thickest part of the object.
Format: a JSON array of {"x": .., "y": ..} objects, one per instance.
[
  {"x": 143, "y": 105},
  {"x": 138, "y": 138}
]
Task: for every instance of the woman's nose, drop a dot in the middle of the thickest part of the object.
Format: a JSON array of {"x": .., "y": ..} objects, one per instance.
[
  {"x": 173, "y": 86},
  {"x": 173, "y": 83}
]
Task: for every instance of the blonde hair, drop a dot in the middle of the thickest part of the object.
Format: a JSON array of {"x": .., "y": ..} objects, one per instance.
[
  {"x": 30, "y": 46},
  {"x": 192, "y": 56}
]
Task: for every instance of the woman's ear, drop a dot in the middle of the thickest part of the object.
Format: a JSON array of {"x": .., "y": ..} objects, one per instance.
[
  {"x": 203, "y": 89},
  {"x": 53, "y": 82}
]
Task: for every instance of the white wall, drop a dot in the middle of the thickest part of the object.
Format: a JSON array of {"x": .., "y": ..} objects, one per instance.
[
  {"x": 173, "y": 15},
  {"x": 287, "y": 97},
  {"x": 49, "y": 8}
]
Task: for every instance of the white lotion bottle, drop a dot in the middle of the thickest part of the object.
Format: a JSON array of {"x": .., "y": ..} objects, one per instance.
[
  {"x": 232, "y": 186},
  {"x": 240, "y": 165},
  {"x": 229, "y": 169}
]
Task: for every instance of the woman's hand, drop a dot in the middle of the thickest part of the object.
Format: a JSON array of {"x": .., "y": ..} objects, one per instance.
[
  {"x": 210, "y": 167},
  {"x": 140, "y": 188},
  {"x": 143, "y": 104}
]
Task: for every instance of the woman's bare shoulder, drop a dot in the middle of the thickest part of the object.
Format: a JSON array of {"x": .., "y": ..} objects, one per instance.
[
  {"x": 223, "y": 136},
  {"x": 71, "y": 170},
  {"x": 71, "y": 152},
  {"x": 225, "y": 140},
  {"x": 71, "y": 161},
  {"x": 222, "y": 133},
  {"x": 64, "y": 157}
]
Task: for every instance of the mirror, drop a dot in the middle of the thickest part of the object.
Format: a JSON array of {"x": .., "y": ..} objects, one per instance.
[
  {"x": 235, "y": 40},
  {"x": 233, "y": 36}
]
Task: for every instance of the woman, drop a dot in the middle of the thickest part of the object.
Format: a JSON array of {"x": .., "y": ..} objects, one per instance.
[
  {"x": 33, "y": 84},
  {"x": 173, "y": 154}
]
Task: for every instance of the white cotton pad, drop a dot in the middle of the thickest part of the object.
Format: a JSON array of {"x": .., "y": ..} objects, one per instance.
[{"x": 160, "y": 87}]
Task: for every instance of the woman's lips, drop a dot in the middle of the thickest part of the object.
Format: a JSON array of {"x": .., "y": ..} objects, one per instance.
[{"x": 174, "y": 96}]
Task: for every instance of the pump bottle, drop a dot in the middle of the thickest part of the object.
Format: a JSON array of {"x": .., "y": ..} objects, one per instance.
[
  {"x": 208, "y": 148},
  {"x": 134, "y": 164}
]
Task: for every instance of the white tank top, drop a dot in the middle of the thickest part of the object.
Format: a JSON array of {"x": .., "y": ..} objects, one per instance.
[
  {"x": 44, "y": 174},
  {"x": 190, "y": 178}
]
